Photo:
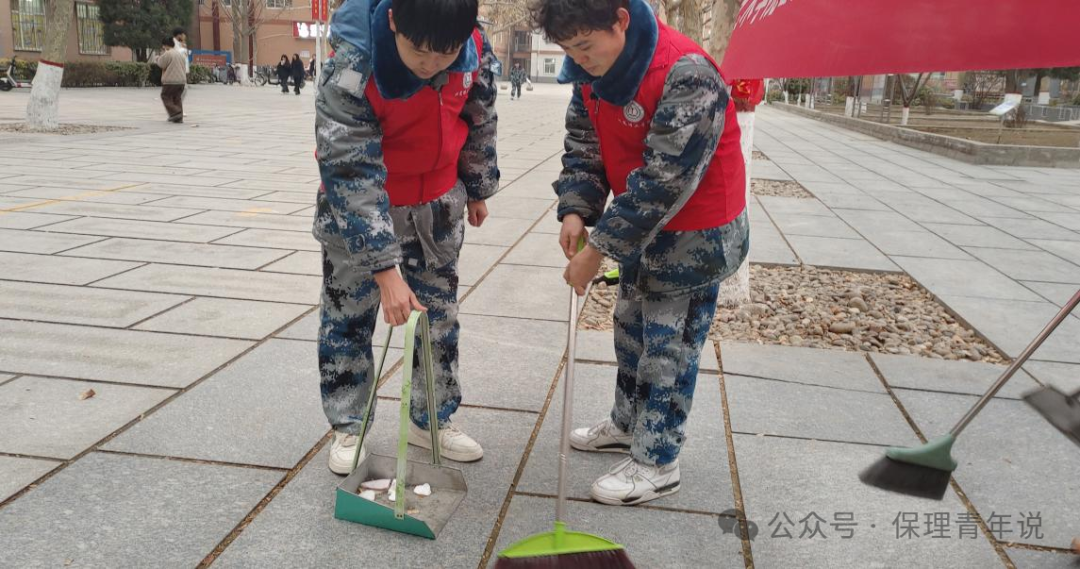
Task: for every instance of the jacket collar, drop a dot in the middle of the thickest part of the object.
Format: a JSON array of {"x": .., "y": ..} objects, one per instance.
[
  {"x": 619, "y": 85},
  {"x": 392, "y": 77}
]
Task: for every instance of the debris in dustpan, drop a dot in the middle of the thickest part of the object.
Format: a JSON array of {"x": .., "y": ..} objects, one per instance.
[
  {"x": 368, "y": 495},
  {"x": 412, "y": 511},
  {"x": 87, "y": 394},
  {"x": 380, "y": 485},
  {"x": 422, "y": 490},
  {"x": 393, "y": 491}
]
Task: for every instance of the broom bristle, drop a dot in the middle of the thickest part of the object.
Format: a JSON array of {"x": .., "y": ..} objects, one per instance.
[
  {"x": 614, "y": 559},
  {"x": 905, "y": 478}
]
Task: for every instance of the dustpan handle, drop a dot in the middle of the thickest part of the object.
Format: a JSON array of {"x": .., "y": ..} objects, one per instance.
[
  {"x": 371, "y": 399},
  {"x": 415, "y": 318}
]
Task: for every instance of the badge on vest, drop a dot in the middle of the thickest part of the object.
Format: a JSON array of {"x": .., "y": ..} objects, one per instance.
[
  {"x": 634, "y": 112},
  {"x": 466, "y": 80}
]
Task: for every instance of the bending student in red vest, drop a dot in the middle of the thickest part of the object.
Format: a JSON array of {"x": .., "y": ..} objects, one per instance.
[
  {"x": 650, "y": 122},
  {"x": 405, "y": 131}
]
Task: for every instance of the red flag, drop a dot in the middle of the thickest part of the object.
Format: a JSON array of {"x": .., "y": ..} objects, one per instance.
[{"x": 821, "y": 38}]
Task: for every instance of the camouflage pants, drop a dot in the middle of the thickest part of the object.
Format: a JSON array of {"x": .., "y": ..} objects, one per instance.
[{"x": 430, "y": 236}]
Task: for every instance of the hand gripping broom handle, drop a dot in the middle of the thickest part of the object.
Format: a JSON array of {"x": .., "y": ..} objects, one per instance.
[
  {"x": 1017, "y": 363},
  {"x": 568, "y": 403}
]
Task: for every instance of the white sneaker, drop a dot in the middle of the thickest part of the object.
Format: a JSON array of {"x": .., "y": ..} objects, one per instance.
[
  {"x": 601, "y": 437},
  {"x": 631, "y": 482},
  {"x": 342, "y": 451},
  {"x": 453, "y": 444}
]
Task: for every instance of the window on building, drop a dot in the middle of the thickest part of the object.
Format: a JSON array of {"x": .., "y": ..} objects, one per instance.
[
  {"x": 91, "y": 30},
  {"x": 522, "y": 41},
  {"x": 549, "y": 66},
  {"x": 28, "y": 24},
  {"x": 279, "y": 3}
]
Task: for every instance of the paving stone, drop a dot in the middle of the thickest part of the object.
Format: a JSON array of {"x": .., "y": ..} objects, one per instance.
[
  {"x": 16, "y": 473},
  {"x": 297, "y": 528},
  {"x": 227, "y": 191},
  {"x": 475, "y": 260},
  {"x": 76, "y": 185},
  {"x": 28, "y": 219},
  {"x": 777, "y": 205},
  {"x": 199, "y": 180},
  {"x": 1011, "y": 462},
  {"x": 80, "y": 305},
  {"x": 122, "y": 197},
  {"x": 814, "y": 226},
  {"x": 807, "y": 411},
  {"x": 57, "y": 270},
  {"x": 246, "y": 397},
  {"x": 978, "y": 236},
  {"x": 985, "y": 208},
  {"x": 273, "y": 239},
  {"x": 1035, "y": 229},
  {"x": 298, "y": 263},
  {"x": 1030, "y": 559},
  {"x": 1011, "y": 325},
  {"x": 305, "y": 198},
  {"x": 875, "y": 220},
  {"x": 252, "y": 220},
  {"x": 768, "y": 170},
  {"x": 45, "y": 417},
  {"x": 537, "y": 250},
  {"x": 195, "y": 254},
  {"x": 221, "y": 283},
  {"x": 549, "y": 224},
  {"x": 784, "y": 481},
  {"x": 221, "y": 204},
  {"x": 518, "y": 208},
  {"x": 840, "y": 253},
  {"x": 113, "y": 211},
  {"x": 1028, "y": 265},
  {"x": 243, "y": 319},
  {"x": 121, "y": 356},
  {"x": 521, "y": 292},
  {"x": 970, "y": 278},
  {"x": 143, "y": 229},
  {"x": 497, "y": 231},
  {"x": 915, "y": 244},
  {"x": 829, "y": 368},
  {"x": 599, "y": 346},
  {"x": 703, "y": 460},
  {"x": 1065, "y": 377},
  {"x": 1068, "y": 250},
  {"x": 40, "y": 242},
  {"x": 1057, "y": 293},
  {"x": 767, "y": 246},
  {"x": 914, "y": 372},
  {"x": 1068, "y": 220},
  {"x": 124, "y": 511}
]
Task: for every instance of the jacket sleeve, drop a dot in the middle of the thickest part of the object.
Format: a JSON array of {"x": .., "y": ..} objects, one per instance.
[
  {"x": 478, "y": 165},
  {"x": 680, "y": 145},
  {"x": 349, "y": 151},
  {"x": 582, "y": 186}
]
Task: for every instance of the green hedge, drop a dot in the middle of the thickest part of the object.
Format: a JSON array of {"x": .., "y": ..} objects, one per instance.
[{"x": 104, "y": 73}]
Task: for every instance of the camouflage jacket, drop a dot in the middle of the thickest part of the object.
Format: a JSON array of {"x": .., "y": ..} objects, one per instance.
[{"x": 353, "y": 209}]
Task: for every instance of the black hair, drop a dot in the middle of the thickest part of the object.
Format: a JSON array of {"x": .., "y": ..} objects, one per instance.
[
  {"x": 168, "y": 41},
  {"x": 439, "y": 25},
  {"x": 177, "y": 31},
  {"x": 284, "y": 56},
  {"x": 561, "y": 20}
]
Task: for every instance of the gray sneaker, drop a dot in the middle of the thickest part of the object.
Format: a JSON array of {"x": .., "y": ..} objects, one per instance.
[
  {"x": 602, "y": 437},
  {"x": 342, "y": 452},
  {"x": 633, "y": 483}
]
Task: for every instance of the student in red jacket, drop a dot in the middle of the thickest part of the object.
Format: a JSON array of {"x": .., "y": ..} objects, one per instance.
[{"x": 649, "y": 122}]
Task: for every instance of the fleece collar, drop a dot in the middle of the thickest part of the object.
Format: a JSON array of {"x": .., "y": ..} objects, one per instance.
[
  {"x": 619, "y": 85},
  {"x": 392, "y": 77}
]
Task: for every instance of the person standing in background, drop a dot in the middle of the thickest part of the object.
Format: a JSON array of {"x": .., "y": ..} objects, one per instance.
[
  {"x": 297, "y": 72},
  {"x": 179, "y": 37},
  {"x": 173, "y": 80},
  {"x": 284, "y": 71},
  {"x": 517, "y": 78}
]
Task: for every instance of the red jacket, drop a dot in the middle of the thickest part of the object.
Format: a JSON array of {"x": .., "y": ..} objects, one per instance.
[
  {"x": 721, "y": 195},
  {"x": 422, "y": 137}
]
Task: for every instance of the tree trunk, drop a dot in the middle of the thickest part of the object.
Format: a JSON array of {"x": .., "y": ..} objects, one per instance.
[
  {"x": 690, "y": 17},
  {"x": 43, "y": 109},
  {"x": 1039, "y": 75},
  {"x": 724, "y": 15},
  {"x": 904, "y": 114}
]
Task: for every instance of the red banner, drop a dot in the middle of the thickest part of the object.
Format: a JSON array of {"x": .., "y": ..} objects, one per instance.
[
  {"x": 822, "y": 38},
  {"x": 319, "y": 10}
]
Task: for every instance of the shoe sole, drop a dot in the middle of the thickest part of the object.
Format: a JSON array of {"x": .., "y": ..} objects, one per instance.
[
  {"x": 647, "y": 497},
  {"x": 616, "y": 448},
  {"x": 425, "y": 443}
]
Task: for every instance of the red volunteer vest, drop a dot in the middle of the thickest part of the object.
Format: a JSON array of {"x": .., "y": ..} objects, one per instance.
[
  {"x": 721, "y": 195},
  {"x": 423, "y": 136}
]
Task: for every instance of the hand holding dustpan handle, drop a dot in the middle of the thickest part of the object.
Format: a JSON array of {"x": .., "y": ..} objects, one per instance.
[{"x": 406, "y": 397}]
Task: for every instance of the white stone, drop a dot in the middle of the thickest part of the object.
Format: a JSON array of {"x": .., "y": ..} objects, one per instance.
[
  {"x": 368, "y": 495},
  {"x": 422, "y": 490},
  {"x": 380, "y": 485}
]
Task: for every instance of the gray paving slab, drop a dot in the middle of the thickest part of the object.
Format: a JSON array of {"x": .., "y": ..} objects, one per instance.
[
  {"x": 124, "y": 197},
  {"x": 222, "y": 204},
  {"x": 985, "y": 208},
  {"x": 177, "y": 253},
  {"x": 298, "y": 263},
  {"x": 840, "y": 253},
  {"x": 978, "y": 236},
  {"x": 914, "y": 372},
  {"x": 1058, "y": 293},
  {"x": 1035, "y": 229},
  {"x": 1068, "y": 220},
  {"x": 599, "y": 346},
  {"x": 538, "y": 293},
  {"x": 56, "y": 270},
  {"x": 814, "y": 226},
  {"x": 915, "y": 244},
  {"x": 497, "y": 231},
  {"x": 784, "y": 481},
  {"x": 142, "y": 229},
  {"x": 80, "y": 305},
  {"x": 863, "y": 220},
  {"x": 298, "y": 528},
  {"x": 123, "y": 511},
  {"x": 252, "y": 220},
  {"x": 1065, "y": 377},
  {"x": 537, "y": 250},
  {"x": 45, "y": 417},
  {"x": 533, "y": 186},
  {"x": 829, "y": 368},
  {"x": 202, "y": 191},
  {"x": 273, "y": 239},
  {"x": 17, "y": 241},
  {"x": 231, "y": 318},
  {"x": 763, "y": 406},
  {"x": 113, "y": 211},
  {"x": 690, "y": 540},
  {"x": 221, "y": 283},
  {"x": 475, "y": 260},
  {"x": 123, "y": 356},
  {"x": 1011, "y": 462},
  {"x": 794, "y": 206},
  {"x": 850, "y": 201},
  {"x": 1028, "y": 265},
  {"x": 768, "y": 170},
  {"x": 17, "y": 473},
  {"x": 703, "y": 460},
  {"x": 529, "y": 209},
  {"x": 1033, "y": 559},
  {"x": 1012, "y": 325},
  {"x": 28, "y": 220},
  {"x": 548, "y": 224},
  {"x": 1068, "y": 250},
  {"x": 272, "y": 391},
  {"x": 767, "y": 246},
  {"x": 76, "y": 184},
  {"x": 957, "y": 277},
  {"x": 305, "y": 198}
]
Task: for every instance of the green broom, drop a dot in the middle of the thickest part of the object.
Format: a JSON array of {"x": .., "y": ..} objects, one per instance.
[
  {"x": 562, "y": 548},
  {"x": 924, "y": 471}
]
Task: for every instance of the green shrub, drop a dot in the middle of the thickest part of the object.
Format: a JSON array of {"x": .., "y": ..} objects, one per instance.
[
  {"x": 198, "y": 74},
  {"x": 91, "y": 73},
  {"x": 23, "y": 69}
]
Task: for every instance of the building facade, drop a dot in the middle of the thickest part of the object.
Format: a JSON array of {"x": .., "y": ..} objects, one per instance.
[
  {"x": 541, "y": 59},
  {"x": 22, "y": 32},
  {"x": 284, "y": 27}
]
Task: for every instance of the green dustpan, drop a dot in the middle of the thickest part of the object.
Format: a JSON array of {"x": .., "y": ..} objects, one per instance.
[{"x": 410, "y": 513}]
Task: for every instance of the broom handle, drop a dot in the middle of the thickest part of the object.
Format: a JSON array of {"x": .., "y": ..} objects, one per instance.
[
  {"x": 568, "y": 404},
  {"x": 1017, "y": 363}
]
